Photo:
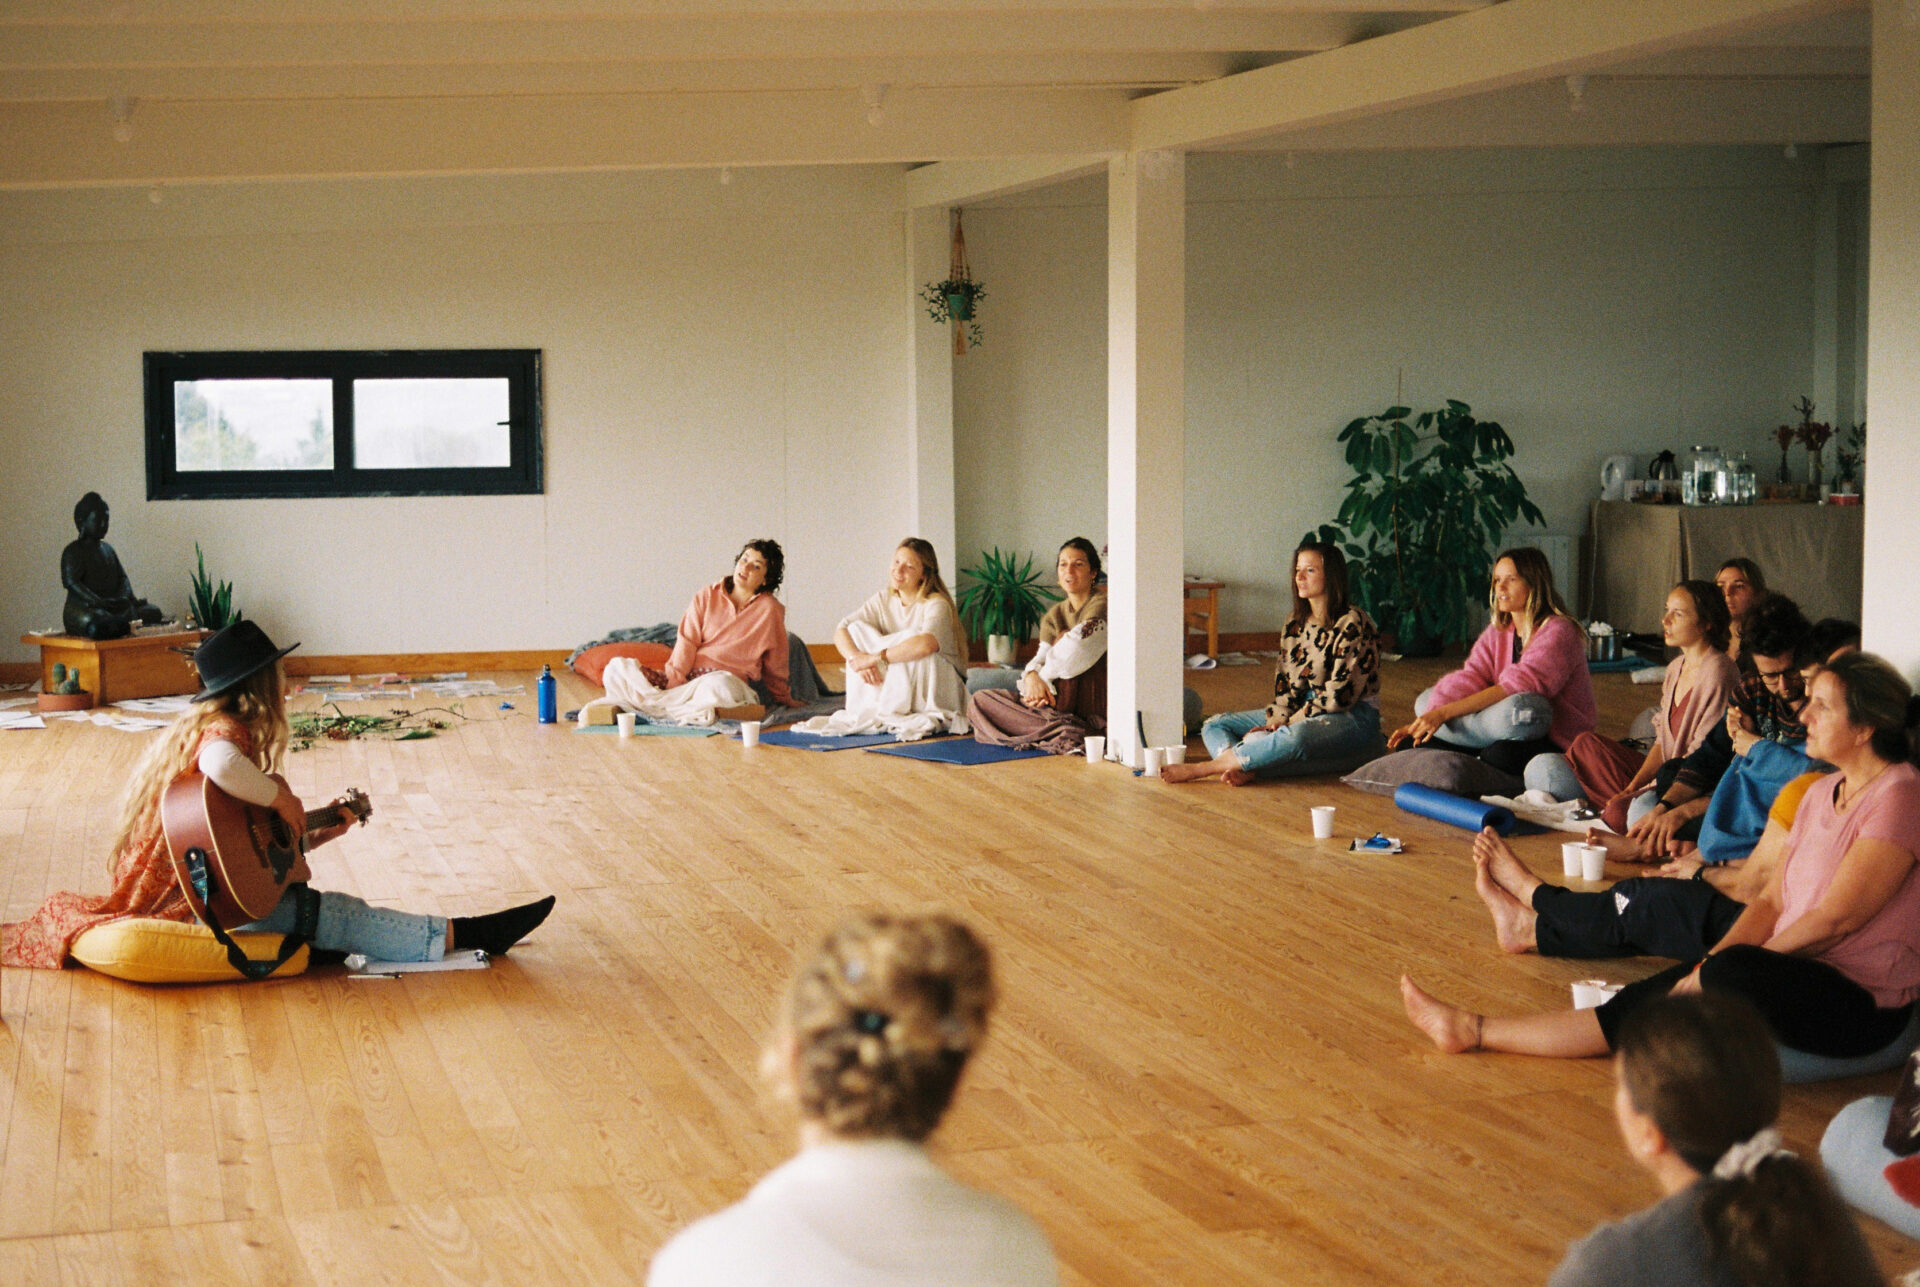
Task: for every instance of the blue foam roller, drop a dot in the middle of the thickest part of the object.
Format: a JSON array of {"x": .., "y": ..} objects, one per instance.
[{"x": 1454, "y": 810}]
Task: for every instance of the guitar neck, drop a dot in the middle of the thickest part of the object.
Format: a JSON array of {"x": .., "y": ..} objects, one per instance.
[{"x": 327, "y": 817}]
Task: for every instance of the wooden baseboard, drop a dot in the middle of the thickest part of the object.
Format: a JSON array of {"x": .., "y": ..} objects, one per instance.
[{"x": 432, "y": 663}]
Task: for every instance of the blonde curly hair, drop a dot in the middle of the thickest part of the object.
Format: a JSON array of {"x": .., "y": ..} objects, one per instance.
[{"x": 881, "y": 1021}]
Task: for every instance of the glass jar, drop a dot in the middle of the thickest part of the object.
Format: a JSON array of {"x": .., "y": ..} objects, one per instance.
[
  {"x": 1745, "y": 484},
  {"x": 1698, "y": 473}
]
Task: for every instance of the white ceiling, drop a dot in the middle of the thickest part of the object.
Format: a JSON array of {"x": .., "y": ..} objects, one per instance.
[{"x": 225, "y": 89}]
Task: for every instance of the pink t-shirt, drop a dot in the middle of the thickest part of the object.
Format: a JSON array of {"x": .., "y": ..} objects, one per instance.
[
  {"x": 1553, "y": 664},
  {"x": 1882, "y": 956}
]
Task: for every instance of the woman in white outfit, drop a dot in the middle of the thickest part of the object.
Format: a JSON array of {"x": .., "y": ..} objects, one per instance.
[
  {"x": 875, "y": 1033},
  {"x": 906, "y": 670}
]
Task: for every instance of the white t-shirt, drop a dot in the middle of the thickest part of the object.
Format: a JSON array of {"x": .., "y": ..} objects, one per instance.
[{"x": 871, "y": 1213}]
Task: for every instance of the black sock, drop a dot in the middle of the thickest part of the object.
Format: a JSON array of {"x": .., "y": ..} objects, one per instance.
[{"x": 495, "y": 932}]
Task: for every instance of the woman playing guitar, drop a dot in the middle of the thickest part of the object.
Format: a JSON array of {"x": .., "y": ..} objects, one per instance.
[{"x": 236, "y": 735}]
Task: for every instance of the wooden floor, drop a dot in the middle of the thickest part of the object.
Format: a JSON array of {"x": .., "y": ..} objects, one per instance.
[{"x": 1200, "y": 1072}]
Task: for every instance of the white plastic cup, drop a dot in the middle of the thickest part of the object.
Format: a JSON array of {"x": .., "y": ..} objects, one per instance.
[
  {"x": 749, "y": 732},
  {"x": 1589, "y": 993},
  {"x": 625, "y": 720},
  {"x": 1096, "y": 749},
  {"x": 1593, "y": 862},
  {"x": 1322, "y": 822},
  {"x": 1175, "y": 754},
  {"x": 1570, "y": 865},
  {"x": 1152, "y": 758}
]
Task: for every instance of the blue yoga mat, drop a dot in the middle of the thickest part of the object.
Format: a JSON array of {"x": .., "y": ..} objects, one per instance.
[
  {"x": 652, "y": 730},
  {"x": 1454, "y": 810},
  {"x": 958, "y": 750},
  {"x": 1616, "y": 665},
  {"x": 821, "y": 741}
]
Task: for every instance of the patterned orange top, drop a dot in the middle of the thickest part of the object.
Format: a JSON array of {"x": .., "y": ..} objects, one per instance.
[{"x": 143, "y": 885}]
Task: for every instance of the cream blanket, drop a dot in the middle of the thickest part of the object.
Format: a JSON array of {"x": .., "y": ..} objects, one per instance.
[{"x": 693, "y": 702}]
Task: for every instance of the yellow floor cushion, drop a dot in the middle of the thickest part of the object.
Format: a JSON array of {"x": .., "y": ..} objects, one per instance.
[{"x": 141, "y": 949}]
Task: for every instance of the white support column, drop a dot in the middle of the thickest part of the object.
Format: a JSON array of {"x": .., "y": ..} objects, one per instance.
[
  {"x": 930, "y": 388},
  {"x": 1890, "y": 610},
  {"x": 1146, "y": 445}
]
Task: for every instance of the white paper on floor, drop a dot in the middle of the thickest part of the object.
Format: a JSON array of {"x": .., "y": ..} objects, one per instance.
[{"x": 22, "y": 719}]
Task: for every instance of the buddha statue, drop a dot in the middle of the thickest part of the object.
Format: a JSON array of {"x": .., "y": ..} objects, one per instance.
[{"x": 101, "y": 603}]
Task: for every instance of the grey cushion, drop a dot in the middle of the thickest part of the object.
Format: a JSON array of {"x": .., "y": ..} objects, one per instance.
[
  {"x": 1448, "y": 771},
  {"x": 1797, "y": 1067}
]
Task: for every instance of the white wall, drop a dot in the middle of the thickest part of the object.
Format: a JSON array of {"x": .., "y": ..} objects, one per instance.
[
  {"x": 1592, "y": 301},
  {"x": 721, "y": 362}
]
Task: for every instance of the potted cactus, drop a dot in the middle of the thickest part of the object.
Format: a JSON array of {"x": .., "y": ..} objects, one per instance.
[{"x": 64, "y": 692}]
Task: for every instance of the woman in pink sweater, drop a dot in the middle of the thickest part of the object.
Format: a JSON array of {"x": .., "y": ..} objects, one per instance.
[
  {"x": 1524, "y": 690},
  {"x": 736, "y": 625}
]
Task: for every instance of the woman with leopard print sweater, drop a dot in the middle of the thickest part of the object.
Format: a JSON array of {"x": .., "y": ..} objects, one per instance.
[{"x": 1326, "y": 688}]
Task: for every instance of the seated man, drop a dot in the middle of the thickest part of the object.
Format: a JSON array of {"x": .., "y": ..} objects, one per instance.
[{"x": 101, "y": 603}]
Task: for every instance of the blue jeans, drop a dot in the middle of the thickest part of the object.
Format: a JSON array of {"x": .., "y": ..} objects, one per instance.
[
  {"x": 347, "y": 924},
  {"x": 1523, "y": 717},
  {"x": 1310, "y": 745},
  {"x": 1554, "y": 775}
]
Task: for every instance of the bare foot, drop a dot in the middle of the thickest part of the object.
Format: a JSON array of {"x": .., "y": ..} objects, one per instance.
[
  {"x": 1188, "y": 772},
  {"x": 1507, "y": 871},
  {"x": 1619, "y": 848},
  {"x": 1453, "y": 1030},
  {"x": 1237, "y": 777},
  {"x": 1512, "y": 920}
]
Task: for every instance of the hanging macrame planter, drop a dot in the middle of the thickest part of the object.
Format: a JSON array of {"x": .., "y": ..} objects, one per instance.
[{"x": 955, "y": 300}]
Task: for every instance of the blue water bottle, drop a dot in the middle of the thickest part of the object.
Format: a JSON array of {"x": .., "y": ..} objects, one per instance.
[{"x": 549, "y": 706}]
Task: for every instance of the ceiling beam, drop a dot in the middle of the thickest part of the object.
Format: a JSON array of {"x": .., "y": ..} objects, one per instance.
[
  {"x": 71, "y": 144},
  {"x": 954, "y": 183},
  {"x": 1470, "y": 53}
]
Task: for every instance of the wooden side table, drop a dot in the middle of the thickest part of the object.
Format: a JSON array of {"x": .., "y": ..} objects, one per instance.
[
  {"x": 116, "y": 669},
  {"x": 1203, "y": 618}
]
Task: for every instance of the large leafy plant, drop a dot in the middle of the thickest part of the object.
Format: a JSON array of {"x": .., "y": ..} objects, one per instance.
[
  {"x": 1006, "y": 597},
  {"x": 1428, "y": 500}
]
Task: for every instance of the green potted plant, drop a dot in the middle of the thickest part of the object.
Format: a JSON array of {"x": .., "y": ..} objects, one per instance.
[
  {"x": 1004, "y": 604},
  {"x": 1848, "y": 456},
  {"x": 955, "y": 300},
  {"x": 209, "y": 607},
  {"x": 1428, "y": 500}
]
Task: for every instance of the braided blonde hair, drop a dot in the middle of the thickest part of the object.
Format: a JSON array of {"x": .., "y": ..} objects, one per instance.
[{"x": 881, "y": 1021}]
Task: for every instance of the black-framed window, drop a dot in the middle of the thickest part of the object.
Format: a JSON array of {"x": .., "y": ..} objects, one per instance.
[{"x": 421, "y": 422}]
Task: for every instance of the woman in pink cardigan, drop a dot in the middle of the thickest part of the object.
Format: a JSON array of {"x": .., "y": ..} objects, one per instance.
[{"x": 1524, "y": 689}]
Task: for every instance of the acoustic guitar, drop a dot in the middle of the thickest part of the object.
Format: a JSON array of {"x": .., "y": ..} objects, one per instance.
[{"x": 234, "y": 860}]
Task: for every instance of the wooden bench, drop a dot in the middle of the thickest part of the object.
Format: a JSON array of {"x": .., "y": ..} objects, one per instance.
[
  {"x": 116, "y": 669},
  {"x": 1203, "y": 612}
]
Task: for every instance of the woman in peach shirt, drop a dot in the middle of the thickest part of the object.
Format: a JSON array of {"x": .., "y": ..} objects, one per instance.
[{"x": 737, "y": 625}]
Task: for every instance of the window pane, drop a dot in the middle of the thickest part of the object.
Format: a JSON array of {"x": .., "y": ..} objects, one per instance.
[
  {"x": 431, "y": 424},
  {"x": 225, "y": 425}
]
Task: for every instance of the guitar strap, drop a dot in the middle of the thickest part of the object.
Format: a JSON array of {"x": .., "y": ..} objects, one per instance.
[{"x": 306, "y": 922}]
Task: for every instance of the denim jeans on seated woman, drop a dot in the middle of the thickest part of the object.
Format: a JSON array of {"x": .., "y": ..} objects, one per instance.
[
  {"x": 348, "y": 924},
  {"x": 1523, "y": 717},
  {"x": 1323, "y": 741}
]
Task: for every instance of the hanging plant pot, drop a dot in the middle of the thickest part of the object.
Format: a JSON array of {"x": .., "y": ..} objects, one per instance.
[{"x": 960, "y": 306}]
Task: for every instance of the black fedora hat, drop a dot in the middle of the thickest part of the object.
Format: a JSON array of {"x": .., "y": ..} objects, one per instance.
[{"x": 227, "y": 657}]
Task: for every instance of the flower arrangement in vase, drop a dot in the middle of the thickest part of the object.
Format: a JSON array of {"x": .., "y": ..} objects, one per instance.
[{"x": 1813, "y": 435}]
